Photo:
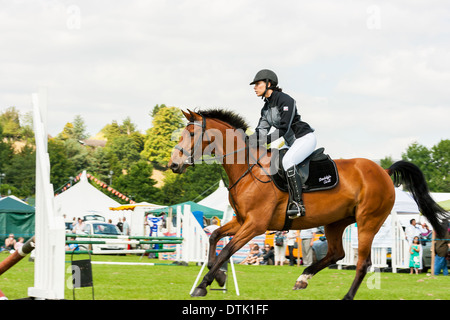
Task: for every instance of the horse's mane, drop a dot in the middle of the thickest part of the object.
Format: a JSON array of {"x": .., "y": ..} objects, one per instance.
[{"x": 227, "y": 116}]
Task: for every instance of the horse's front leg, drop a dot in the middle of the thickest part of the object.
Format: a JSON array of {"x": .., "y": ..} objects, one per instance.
[
  {"x": 228, "y": 229},
  {"x": 245, "y": 233}
]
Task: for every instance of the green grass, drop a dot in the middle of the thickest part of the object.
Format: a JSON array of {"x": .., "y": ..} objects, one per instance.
[{"x": 255, "y": 283}]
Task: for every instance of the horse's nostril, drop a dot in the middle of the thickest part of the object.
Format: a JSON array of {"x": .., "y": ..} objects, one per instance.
[{"x": 173, "y": 166}]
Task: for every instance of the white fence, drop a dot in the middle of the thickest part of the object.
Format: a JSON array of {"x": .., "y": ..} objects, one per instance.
[
  {"x": 49, "y": 228},
  {"x": 400, "y": 247},
  {"x": 195, "y": 241},
  {"x": 398, "y": 244}
]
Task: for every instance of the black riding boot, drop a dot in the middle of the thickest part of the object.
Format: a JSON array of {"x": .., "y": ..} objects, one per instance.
[{"x": 295, "y": 207}]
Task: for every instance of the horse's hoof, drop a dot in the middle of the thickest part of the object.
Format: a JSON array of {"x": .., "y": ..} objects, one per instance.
[
  {"x": 221, "y": 278},
  {"x": 199, "y": 292},
  {"x": 300, "y": 285}
]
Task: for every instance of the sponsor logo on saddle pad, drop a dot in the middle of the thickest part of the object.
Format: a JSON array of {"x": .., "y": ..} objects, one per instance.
[{"x": 325, "y": 180}]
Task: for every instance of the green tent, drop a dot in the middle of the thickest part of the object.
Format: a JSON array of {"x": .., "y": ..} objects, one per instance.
[
  {"x": 208, "y": 212},
  {"x": 15, "y": 217}
]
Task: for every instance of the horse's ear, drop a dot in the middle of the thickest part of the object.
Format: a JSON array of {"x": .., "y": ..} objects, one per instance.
[
  {"x": 186, "y": 114},
  {"x": 193, "y": 114}
]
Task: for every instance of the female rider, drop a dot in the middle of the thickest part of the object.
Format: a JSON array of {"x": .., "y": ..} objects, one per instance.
[{"x": 280, "y": 111}]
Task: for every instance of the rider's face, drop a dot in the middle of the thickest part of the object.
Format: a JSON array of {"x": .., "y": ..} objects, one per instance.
[{"x": 259, "y": 88}]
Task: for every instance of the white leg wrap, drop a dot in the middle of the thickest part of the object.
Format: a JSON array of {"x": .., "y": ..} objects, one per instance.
[{"x": 304, "y": 278}]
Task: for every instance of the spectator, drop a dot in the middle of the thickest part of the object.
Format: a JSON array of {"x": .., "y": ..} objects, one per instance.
[
  {"x": 72, "y": 246},
  {"x": 126, "y": 227},
  {"x": 411, "y": 231},
  {"x": 441, "y": 251},
  {"x": 307, "y": 236},
  {"x": 280, "y": 247},
  {"x": 267, "y": 257},
  {"x": 10, "y": 242},
  {"x": 291, "y": 239},
  {"x": 414, "y": 260},
  {"x": 79, "y": 227},
  {"x": 425, "y": 231},
  {"x": 19, "y": 243},
  {"x": 253, "y": 255},
  {"x": 213, "y": 226},
  {"x": 320, "y": 248},
  {"x": 120, "y": 225}
]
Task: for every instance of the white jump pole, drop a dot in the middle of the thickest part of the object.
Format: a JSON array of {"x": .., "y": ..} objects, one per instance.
[{"x": 49, "y": 265}]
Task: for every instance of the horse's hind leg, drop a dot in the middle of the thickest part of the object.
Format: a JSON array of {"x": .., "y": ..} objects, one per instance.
[
  {"x": 364, "y": 261},
  {"x": 228, "y": 229},
  {"x": 335, "y": 252},
  {"x": 367, "y": 228}
]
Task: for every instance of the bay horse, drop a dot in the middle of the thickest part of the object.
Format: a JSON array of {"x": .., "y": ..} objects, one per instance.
[{"x": 365, "y": 194}]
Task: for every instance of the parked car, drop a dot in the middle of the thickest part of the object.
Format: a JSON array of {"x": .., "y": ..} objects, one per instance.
[
  {"x": 68, "y": 226},
  {"x": 102, "y": 228},
  {"x": 94, "y": 217}
]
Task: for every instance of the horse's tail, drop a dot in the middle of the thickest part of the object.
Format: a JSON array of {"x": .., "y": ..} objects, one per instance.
[{"x": 412, "y": 178}]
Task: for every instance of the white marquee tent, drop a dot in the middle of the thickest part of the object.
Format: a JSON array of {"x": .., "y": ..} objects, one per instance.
[{"x": 84, "y": 199}]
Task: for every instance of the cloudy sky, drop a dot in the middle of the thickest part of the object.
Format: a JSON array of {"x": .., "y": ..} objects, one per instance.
[{"x": 371, "y": 77}]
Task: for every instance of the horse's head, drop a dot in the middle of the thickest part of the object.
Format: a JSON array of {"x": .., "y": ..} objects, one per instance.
[
  {"x": 189, "y": 147},
  {"x": 215, "y": 134}
]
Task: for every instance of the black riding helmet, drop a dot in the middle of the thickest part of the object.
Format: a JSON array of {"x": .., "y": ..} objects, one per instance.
[{"x": 267, "y": 76}]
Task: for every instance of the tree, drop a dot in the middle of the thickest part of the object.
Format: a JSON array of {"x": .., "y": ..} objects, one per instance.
[
  {"x": 6, "y": 151},
  {"x": 78, "y": 154},
  {"x": 114, "y": 130},
  {"x": 9, "y": 120},
  {"x": 419, "y": 155},
  {"x": 102, "y": 163},
  {"x": 137, "y": 183},
  {"x": 126, "y": 150},
  {"x": 61, "y": 166},
  {"x": 67, "y": 132},
  {"x": 159, "y": 141},
  {"x": 195, "y": 184},
  {"x": 20, "y": 171},
  {"x": 74, "y": 130},
  {"x": 386, "y": 162},
  {"x": 156, "y": 109},
  {"x": 111, "y": 130},
  {"x": 440, "y": 181},
  {"x": 434, "y": 163},
  {"x": 79, "y": 128}
]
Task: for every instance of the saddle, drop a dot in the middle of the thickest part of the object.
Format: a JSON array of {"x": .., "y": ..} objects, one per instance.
[{"x": 318, "y": 172}]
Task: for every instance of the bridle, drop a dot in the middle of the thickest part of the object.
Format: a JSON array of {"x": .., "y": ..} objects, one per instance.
[
  {"x": 197, "y": 146},
  {"x": 190, "y": 155}
]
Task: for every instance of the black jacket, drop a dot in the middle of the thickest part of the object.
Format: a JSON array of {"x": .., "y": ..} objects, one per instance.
[{"x": 280, "y": 111}]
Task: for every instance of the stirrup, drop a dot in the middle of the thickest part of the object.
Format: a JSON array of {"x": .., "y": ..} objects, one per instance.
[{"x": 298, "y": 211}]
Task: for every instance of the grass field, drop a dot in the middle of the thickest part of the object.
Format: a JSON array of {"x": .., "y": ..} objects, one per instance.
[{"x": 113, "y": 282}]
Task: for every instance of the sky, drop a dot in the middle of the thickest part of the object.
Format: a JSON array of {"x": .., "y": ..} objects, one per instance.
[{"x": 371, "y": 77}]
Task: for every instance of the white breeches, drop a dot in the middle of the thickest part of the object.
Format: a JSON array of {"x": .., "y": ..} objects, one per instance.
[{"x": 300, "y": 150}]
